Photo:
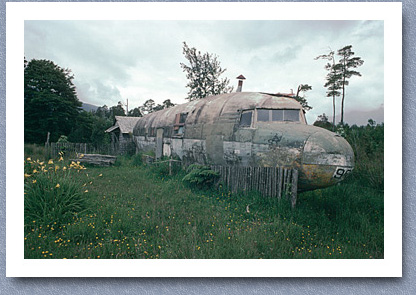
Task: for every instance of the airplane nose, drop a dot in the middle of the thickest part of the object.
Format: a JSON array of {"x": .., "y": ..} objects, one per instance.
[{"x": 327, "y": 158}]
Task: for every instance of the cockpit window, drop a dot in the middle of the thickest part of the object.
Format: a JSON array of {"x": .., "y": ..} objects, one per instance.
[
  {"x": 265, "y": 115},
  {"x": 291, "y": 115},
  {"x": 245, "y": 120},
  {"x": 277, "y": 115}
]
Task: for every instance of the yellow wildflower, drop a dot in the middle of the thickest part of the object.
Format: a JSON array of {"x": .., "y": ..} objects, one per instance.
[
  {"x": 56, "y": 168},
  {"x": 64, "y": 168},
  {"x": 50, "y": 161},
  {"x": 35, "y": 171},
  {"x": 60, "y": 159},
  {"x": 34, "y": 181},
  {"x": 100, "y": 175},
  {"x": 28, "y": 159},
  {"x": 58, "y": 186},
  {"x": 86, "y": 191},
  {"x": 27, "y": 175}
]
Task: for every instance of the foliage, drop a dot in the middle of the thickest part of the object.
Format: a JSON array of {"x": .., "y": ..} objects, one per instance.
[
  {"x": 36, "y": 151},
  {"x": 200, "y": 175},
  {"x": 165, "y": 105},
  {"x": 302, "y": 88},
  {"x": 50, "y": 101},
  {"x": 368, "y": 145},
  {"x": 98, "y": 136},
  {"x": 332, "y": 80},
  {"x": 135, "y": 113},
  {"x": 137, "y": 160},
  {"x": 203, "y": 73},
  {"x": 323, "y": 122},
  {"x": 339, "y": 73},
  {"x": 117, "y": 110},
  {"x": 148, "y": 107},
  {"x": 52, "y": 196},
  {"x": 63, "y": 139},
  {"x": 346, "y": 65},
  {"x": 82, "y": 127}
]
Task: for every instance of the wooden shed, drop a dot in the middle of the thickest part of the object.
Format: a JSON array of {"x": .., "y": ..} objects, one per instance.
[{"x": 122, "y": 134}]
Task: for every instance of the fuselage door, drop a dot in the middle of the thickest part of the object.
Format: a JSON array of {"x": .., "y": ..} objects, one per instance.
[{"x": 159, "y": 143}]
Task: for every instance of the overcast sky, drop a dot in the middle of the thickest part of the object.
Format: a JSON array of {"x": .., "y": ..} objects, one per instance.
[{"x": 138, "y": 60}]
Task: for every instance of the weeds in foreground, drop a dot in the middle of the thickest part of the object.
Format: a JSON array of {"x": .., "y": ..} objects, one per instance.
[
  {"x": 136, "y": 212},
  {"x": 52, "y": 195}
]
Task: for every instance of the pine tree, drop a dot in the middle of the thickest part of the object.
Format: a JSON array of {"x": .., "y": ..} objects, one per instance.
[
  {"x": 332, "y": 80},
  {"x": 346, "y": 64}
]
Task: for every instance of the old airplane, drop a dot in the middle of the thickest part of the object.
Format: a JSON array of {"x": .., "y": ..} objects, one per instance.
[{"x": 247, "y": 129}]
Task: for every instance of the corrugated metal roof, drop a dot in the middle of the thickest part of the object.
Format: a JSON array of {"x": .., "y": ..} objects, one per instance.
[{"x": 126, "y": 124}]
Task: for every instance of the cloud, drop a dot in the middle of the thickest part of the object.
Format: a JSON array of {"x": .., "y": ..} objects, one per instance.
[{"x": 139, "y": 60}]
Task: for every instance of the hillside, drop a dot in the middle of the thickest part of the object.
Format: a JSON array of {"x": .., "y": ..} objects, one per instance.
[{"x": 88, "y": 107}]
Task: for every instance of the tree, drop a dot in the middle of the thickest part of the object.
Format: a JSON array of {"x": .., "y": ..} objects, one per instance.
[
  {"x": 98, "y": 136},
  {"x": 117, "y": 110},
  {"x": 82, "y": 127},
  {"x": 301, "y": 99},
  {"x": 135, "y": 113},
  {"x": 148, "y": 107},
  {"x": 168, "y": 104},
  {"x": 165, "y": 105},
  {"x": 346, "y": 65},
  {"x": 50, "y": 101},
  {"x": 103, "y": 112},
  {"x": 332, "y": 80},
  {"x": 323, "y": 121},
  {"x": 203, "y": 73}
]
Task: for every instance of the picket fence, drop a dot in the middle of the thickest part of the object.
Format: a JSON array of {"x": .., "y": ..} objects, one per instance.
[
  {"x": 90, "y": 148},
  {"x": 276, "y": 182}
]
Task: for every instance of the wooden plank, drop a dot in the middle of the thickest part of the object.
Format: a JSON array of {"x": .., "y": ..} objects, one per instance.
[
  {"x": 283, "y": 182},
  {"x": 294, "y": 188},
  {"x": 279, "y": 188}
]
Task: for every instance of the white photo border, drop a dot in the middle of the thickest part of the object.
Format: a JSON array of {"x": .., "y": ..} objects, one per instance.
[{"x": 390, "y": 266}]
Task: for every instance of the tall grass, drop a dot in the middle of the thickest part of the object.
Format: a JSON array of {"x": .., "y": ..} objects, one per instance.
[{"x": 136, "y": 212}]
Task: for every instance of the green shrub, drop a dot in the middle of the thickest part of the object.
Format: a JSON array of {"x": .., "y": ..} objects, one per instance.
[
  {"x": 52, "y": 196},
  {"x": 122, "y": 160},
  {"x": 368, "y": 145},
  {"x": 200, "y": 175},
  {"x": 137, "y": 160}
]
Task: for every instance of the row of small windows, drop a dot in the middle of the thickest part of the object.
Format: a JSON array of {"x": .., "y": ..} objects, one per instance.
[{"x": 265, "y": 115}]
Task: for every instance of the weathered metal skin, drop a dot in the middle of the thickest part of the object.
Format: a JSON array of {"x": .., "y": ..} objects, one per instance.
[{"x": 214, "y": 133}]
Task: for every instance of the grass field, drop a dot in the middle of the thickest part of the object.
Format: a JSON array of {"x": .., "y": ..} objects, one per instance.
[{"x": 130, "y": 211}]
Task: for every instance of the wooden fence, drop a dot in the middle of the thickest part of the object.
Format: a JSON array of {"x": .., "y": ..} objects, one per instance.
[
  {"x": 269, "y": 181},
  {"x": 89, "y": 148}
]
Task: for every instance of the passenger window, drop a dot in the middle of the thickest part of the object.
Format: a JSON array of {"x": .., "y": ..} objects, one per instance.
[
  {"x": 291, "y": 115},
  {"x": 277, "y": 115},
  {"x": 263, "y": 115},
  {"x": 245, "y": 120}
]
